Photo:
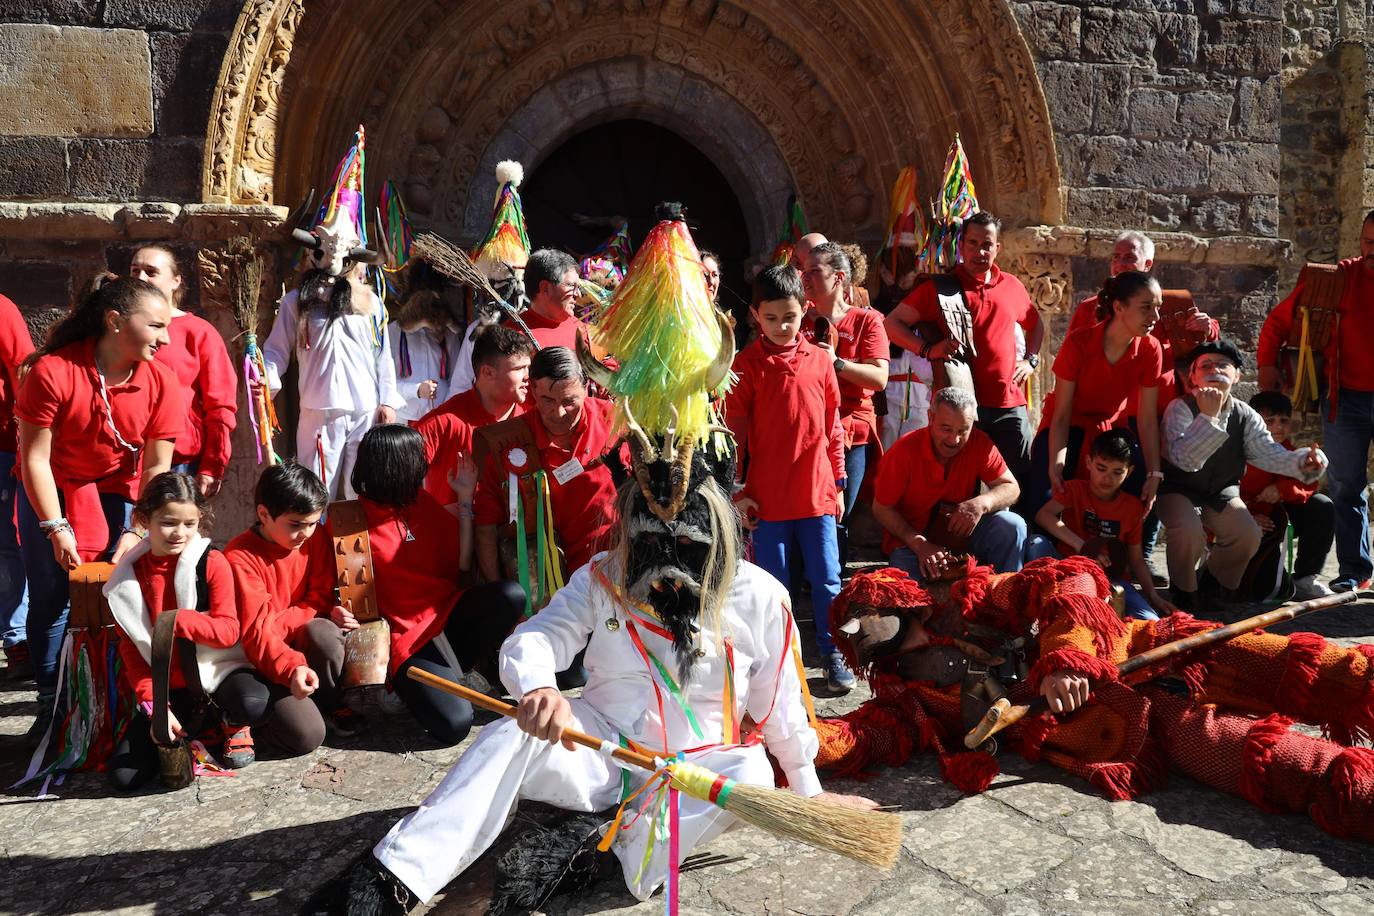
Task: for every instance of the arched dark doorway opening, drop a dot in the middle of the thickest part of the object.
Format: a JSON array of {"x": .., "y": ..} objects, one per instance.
[{"x": 623, "y": 168}]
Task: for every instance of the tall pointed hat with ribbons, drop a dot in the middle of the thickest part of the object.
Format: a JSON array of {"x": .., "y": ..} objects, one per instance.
[
  {"x": 958, "y": 201},
  {"x": 506, "y": 246},
  {"x": 906, "y": 224}
]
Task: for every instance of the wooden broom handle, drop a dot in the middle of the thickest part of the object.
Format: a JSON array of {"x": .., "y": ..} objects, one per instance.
[
  {"x": 1002, "y": 714},
  {"x": 417, "y": 673}
]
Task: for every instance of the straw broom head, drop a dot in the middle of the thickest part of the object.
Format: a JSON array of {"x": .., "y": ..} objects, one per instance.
[
  {"x": 871, "y": 837},
  {"x": 245, "y": 282},
  {"x": 452, "y": 262}
]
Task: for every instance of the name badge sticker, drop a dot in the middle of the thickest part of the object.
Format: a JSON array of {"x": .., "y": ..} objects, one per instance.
[{"x": 565, "y": 472}]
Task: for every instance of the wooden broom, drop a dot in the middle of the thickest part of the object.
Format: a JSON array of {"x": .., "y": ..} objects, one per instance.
[{"x": 871, "y": 837}]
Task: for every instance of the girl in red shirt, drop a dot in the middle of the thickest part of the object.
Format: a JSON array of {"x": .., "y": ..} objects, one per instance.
[
  {"x": 96, "y": 415},
  {"x": 174, "y": 569},
  {"x": 1096, "y": 371},
  {"x": 197, "y": 354},
  {"x": 421, "y": 555}
]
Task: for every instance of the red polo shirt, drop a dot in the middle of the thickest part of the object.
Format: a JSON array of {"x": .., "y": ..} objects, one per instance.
[
  {"x": 15, "y": 346},
  {"x": 584, "y": 505},
  {"x": 1088, "y": 517},
  {"x": 447, "y": 431},
  {"x": 1356, "y": 328},
  {"x": 995, "y": 306},
  {"x": 62, "y": 393},
  {"x": 200, "y": 361},
  {"x": 912, "y": 481},
  {"x": 1102, "y": 389},
  {"x": 784, "y": 412},
  {"x": 549, "y": 332},
  {"x": 1291, "y": 489},
  {"x": 859, "y": 336},
  {"x": 417, "y": 580}
]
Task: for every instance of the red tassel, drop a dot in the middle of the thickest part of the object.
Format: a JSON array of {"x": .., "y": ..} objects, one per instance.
[
  {"x": 1034, "y": 730},
  {"x": 1300, "y": 675},
  {"x": 970, "y": 772},
  {"x": 1351, "y": 780},
  {"x": 1260, "y": 742},
  {"x": 1075, "y": 660}
]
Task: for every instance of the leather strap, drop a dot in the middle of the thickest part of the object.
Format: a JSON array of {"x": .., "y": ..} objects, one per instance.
[
  {"x": 355, "y": 587},
  {"x": 165, "y": 644}
]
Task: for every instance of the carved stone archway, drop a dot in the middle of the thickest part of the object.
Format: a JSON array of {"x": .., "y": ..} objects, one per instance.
[{"x": 842, "y": 95}]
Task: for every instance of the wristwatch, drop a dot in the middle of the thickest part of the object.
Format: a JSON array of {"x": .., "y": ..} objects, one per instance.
[
  {"x": 839, "y": 364},
  {"x": 1033, "y": 359}
]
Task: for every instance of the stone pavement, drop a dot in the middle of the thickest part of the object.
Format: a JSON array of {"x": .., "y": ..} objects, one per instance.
[{"x": 1037, "y": 843}]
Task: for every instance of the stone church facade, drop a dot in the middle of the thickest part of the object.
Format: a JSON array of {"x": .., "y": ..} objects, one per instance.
[{"x": 1238, "y": 133}]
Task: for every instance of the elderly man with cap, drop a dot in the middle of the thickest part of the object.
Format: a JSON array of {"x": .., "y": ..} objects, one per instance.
[{"x": 1208, "y": 438}]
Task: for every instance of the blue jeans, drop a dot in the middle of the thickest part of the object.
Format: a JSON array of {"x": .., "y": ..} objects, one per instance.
[
  {"x": 1346, "y": 442},
  {"x": 49, "y": 595},
  {"x": 855, "y": 466},
  {"x": 1137, "y": 608},
  {"x": 998, "y": 540},
  {"x": 815, "y": 538},
  {"x": 14, "y": 599}
]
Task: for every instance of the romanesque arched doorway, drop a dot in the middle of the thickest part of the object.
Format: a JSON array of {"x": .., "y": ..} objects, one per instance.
[{"x": 622, "y": 169}]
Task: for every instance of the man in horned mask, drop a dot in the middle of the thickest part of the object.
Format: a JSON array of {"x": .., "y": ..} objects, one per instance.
[{"x": 683, "y": 638}]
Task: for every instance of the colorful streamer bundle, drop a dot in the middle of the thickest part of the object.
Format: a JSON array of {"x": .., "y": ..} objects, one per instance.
[
  {"x": 394, "y": 227},
  {"x": 958, "y": 201},
  {"x": 265, "y": 421},
  {"x": 611, "y": 256},
  {"x": 906, "y": 225},
  {"x": 662, "y": 328},
  {"x": 793, "y": 228}
]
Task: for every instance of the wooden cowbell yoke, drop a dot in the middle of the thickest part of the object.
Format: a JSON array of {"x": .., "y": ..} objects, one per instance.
[
  {"x": 664, "y": 502},
  {"x": 367, "y": 649},
  {"x": 1311, "y": 351}
]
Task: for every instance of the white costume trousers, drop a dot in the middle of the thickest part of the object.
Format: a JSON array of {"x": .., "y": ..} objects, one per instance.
[
  {"x": 465, "y": 814},
  {"x": 338, "y": 432}
]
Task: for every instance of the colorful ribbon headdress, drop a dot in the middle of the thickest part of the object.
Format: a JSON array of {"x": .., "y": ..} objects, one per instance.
[
  {"x": 793, "y": 228},
  {"x": 958, "y": 201},
  {"x": 506, "y": 242},
  {"x": 906, "y": 225}
]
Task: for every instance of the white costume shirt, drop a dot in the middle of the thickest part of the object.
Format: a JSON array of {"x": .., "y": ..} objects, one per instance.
[
  {"x": 342, "y": 370},
  {"x": 463, "y": 375},
  {"x": 426, "y": 363},
  {"x": 621, "y": 688}
]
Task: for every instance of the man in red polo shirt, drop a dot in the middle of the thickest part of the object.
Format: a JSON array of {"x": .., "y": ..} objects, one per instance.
[
  {"x": 944, "y": 463},
  {"x": 551, "y": 281},
  {"x": 501, "y": 369},
  {"x": 567, "y": 436},
  {"x": 996, "y": 302}
]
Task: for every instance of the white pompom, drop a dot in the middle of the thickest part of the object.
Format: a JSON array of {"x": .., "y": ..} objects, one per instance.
[{"x": 508, "y": 170}]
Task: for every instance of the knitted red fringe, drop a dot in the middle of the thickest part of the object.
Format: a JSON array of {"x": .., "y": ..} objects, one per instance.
[
  {"x": 1260, "y": 741},
  {"x": 970, "y": 772},
  {"x": 1348, "y": 811},
  {"x": 1075, "y": 660},
  {"x": 1300, "y": 675}
]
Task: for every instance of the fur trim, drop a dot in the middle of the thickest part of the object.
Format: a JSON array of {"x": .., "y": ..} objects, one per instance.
[
  {"x": 508, "y": 171},
  {"x": 1075, "y": 660}
]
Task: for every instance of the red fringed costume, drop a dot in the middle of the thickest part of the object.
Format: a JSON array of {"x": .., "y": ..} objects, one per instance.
[{"x": 1231, "y": 731}]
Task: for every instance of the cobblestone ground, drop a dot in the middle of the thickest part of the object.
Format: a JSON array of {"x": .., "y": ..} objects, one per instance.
[{"x": 1038, "y": 842}]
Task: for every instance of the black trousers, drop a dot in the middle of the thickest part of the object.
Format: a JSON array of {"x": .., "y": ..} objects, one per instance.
[
  {"x": 481, "y": 620},
  {"x": 1314, "y": 525},
  {"x": 1010, "y": 431}
]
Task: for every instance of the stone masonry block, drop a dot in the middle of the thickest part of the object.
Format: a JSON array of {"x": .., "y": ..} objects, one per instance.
[
  {"x": 135, "y": 169},
  {"x": 1124, "y": 37},
  {"x": 1113, "y": 207},
  {"x": 1242, "y": 46},
  {"x": 67, "y": 81},
  {"x": 53, "y": 12},
  {"x": 1205, "y": 114},
  {"x": 1111, "y": 86},
  {"x": 1262, "y": 216},
  {"x": 1159, "y": 166},
  {"x": 1177, "y": 41},
  {"x": 1257, "y": 109},
  {"x": 1069, "y": 94},
  {"x": 1249, "y": 9},
  {"x": 185, "y": 68},
  {"x": 1053, "y": 30},
  {"x": 33, "y": 167},
  {"x": 1154, "y": 113},
  {"x": 173, "y": 15},
  {"x": 1244, "y": 168},
  {"x": 1216, "y": 215}
]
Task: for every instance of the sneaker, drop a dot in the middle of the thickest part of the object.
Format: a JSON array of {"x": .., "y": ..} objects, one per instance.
[
  {"x": 345, "y": 723},
  {"x": 1307, "y": 588},
  {"x": 18, "y": 662},
  {"x": 1349, "y": 585},
  {"x": 475, "y": 680},
  {"x": 237, "y": 752},
  {"x": 838, "y": 677}
]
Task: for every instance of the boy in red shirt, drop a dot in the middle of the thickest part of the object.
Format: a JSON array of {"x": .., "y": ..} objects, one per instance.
[
  {"x": 1312, "y": 514},
  {"x": 785, "y": 414},
  {"x": 1095, "y": 514},
  {"x": 292, "y": 630}
]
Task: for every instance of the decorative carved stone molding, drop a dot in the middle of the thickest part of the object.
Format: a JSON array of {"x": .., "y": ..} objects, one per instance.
[
  {"x": 845, "y": 92},
  {"x": 154, "y": 220}
]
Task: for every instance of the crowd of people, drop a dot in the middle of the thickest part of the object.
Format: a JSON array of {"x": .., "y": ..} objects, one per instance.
[{"x": 124, "y": 414}]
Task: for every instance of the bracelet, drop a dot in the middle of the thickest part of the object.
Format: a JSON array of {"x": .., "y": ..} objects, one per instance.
[
  {"x": 54, "y": 523},
  {"x": 134, "y": 531},
  {"x": 58, "y": 529},
  {"x": 1157, "y": 475}
]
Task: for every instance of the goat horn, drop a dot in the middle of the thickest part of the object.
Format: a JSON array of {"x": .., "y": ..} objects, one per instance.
[
  {"x": 635, "y": 431},
  {"x": 593, "y": 367},
  {"x": 305, "y": 238},
  {"x": 388, "y": 256},
  {"x": 719, "y": 370},
  {"x": 365, "y": 255}
]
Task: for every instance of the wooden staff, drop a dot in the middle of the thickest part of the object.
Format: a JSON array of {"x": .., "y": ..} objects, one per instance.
[
  {"x": 1003, "y": 715},
  {"x": 872, "y": 837}
]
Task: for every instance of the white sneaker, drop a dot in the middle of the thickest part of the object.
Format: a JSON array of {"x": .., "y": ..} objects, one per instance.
[
  {"x": 475, "y": 681},
  {"x": 1307, "y": 588}
]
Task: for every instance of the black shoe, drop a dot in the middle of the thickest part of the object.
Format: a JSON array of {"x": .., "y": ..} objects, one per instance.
[
  {"x": 41, "y": 722},
  {"x": 365, "y": 888}
]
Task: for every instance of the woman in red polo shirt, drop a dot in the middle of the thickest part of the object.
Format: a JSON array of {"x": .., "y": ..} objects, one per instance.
[
  {"x": 96, "y": 415},
  {"x": 197, "y": 355},
  {"x": 1112, "y": 359},
  {"x": 419, "y": 552}
]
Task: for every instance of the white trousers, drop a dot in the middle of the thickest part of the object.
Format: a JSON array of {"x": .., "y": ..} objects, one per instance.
[
  {"x": 465, "y": 814},
  {"x": 338, "y": 432}
]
